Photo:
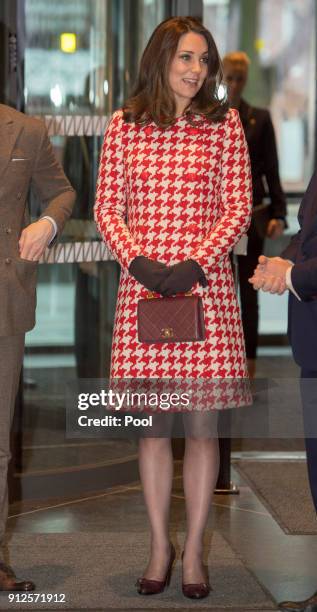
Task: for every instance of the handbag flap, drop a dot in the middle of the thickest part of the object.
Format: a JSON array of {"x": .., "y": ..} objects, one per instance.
[{"x": 175, "y": 319}]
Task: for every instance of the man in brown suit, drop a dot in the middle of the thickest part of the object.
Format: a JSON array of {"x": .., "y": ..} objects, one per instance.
[{"x": 26, "y": 160}]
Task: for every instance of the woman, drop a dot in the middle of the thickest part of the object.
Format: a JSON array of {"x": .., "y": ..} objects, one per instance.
[{"x": 175, "y": 165}]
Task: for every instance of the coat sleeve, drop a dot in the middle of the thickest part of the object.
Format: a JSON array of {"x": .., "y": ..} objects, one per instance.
[
  {"x": 111, "y": 198},
  {"x": 50, "y": 183},
  {"x": 235, "y": 197}
]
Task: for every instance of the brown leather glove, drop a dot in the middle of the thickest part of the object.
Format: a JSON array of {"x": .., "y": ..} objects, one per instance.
[
  {"x": 182, "y": 278},
  {"x": 148, "y": 272}
]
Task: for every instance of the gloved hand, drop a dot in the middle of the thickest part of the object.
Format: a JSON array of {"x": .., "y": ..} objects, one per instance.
[
  {"x": 182, "y": 278},
  {"x": 148, "y": 272}
]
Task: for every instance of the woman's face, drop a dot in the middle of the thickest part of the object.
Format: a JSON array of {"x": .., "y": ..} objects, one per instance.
[
  {"x": 188, "y": 69},
  {"x": 236, "y": 78}
]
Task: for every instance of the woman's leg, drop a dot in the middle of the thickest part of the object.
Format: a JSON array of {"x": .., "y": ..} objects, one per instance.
[
  {"x": 156, "y": 473},
  {"x": 201, "y": 467}
]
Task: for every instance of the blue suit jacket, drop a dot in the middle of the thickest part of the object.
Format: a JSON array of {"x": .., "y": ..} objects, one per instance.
[{"x": 302, "y": 250}]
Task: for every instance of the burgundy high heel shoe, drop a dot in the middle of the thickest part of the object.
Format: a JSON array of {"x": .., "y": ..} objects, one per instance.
[
  {"x": 153, "y": 587},
  {"x": 196, "y": 591}
]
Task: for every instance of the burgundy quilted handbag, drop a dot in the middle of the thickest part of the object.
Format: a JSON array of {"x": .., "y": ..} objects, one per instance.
[{"x": 171, "y": 319}]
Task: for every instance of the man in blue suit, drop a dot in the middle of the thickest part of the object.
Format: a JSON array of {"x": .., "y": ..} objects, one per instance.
[{"x": 296, "y": 270}]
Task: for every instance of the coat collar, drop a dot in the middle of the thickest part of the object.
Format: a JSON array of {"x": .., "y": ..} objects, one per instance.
[{"x": 9, "y": 131}]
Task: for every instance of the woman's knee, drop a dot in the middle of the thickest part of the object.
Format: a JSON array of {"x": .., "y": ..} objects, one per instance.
[
  {"x": 201, "y": 443},
  {"x": 154, "y": 443}
]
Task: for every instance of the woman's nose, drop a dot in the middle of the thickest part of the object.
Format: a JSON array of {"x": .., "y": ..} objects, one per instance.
[{"x": 197, "y": 67}]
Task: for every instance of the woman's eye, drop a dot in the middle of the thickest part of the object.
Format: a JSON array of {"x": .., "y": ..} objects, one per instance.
[
  {"x": 185, "y": 56},
  {"x": 204, "y": 60}
]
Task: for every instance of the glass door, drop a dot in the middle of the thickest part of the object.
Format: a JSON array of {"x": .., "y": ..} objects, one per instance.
[{"x": 81, "y": 59}]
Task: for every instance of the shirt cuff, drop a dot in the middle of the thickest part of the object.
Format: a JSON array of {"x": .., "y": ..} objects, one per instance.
[
  {"x": 288, "y": 281},
  {"x": 53, "y": 222}
]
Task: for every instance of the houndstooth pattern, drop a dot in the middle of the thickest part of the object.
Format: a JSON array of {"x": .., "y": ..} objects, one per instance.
[{"x": 174, "y": 194}]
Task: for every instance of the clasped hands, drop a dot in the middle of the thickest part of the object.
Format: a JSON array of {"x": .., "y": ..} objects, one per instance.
[
  {"x": 270, "y": 274},
  {"x": 167, "y": 280}
]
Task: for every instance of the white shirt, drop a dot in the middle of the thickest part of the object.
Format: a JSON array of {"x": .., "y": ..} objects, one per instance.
[
  {"x": 288, "y": 280},
  {"x": 53, "y": 222}
]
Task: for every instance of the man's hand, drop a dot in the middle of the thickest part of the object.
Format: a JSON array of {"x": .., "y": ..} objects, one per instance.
[
  {"x": 275, "y": 228},
  {"x": 270, "y": 273},
  {"x": 35, "y": 238}
]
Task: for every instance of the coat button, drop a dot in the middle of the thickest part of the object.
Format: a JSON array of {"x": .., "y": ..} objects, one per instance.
[{"x": 8, "y": 260}]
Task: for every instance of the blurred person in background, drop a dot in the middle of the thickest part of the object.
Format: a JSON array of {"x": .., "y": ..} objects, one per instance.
[{"x": 268, "y": 220}]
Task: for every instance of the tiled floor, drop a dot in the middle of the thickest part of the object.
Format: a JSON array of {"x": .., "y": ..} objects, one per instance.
[{"x": 284, "y": 564}]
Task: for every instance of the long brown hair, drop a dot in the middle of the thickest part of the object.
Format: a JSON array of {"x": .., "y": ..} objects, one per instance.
[{"x": 152, "y": 98}]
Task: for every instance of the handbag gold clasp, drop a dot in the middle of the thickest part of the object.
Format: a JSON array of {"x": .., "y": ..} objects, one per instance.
[
  {"x": 167, "y": 332},
  {"x": 151, "y": 295}
]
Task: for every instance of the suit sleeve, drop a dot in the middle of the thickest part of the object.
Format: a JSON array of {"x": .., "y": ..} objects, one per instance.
[
  {"x": 303, "y": 274},
  {"x": 304, "y": 279},
  {"x": 271, "y": 170},
  {"x": 49, "y": 181},
  {"x": 235, "y": 197},
  {"x": 292, "y": 249},
  {"x": 111, "y": 197}
]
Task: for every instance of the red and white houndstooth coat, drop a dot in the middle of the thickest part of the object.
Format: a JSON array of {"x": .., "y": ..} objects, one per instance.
[{"x": 173, "y": 194}]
